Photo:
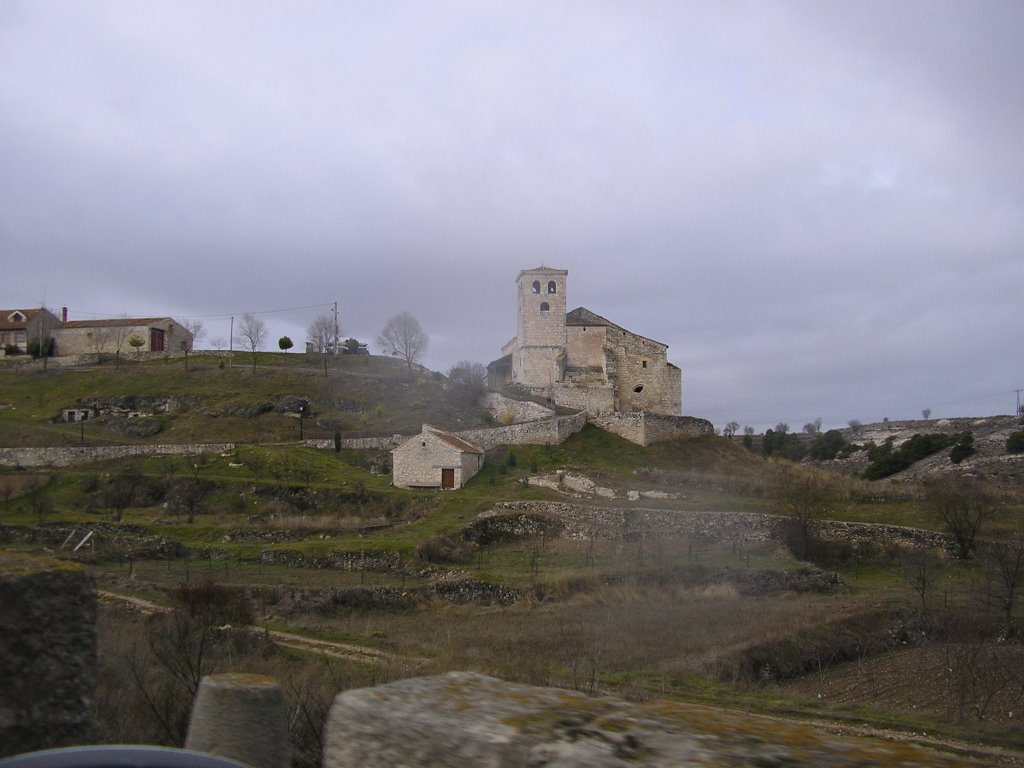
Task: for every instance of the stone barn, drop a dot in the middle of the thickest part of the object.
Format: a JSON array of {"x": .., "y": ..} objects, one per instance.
[
  {"x": 435, "y": 459},
  {"x": 102, "y": 337}
]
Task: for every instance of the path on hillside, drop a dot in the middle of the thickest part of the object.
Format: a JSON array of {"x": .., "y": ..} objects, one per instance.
[{"x": 332, "y": 648}]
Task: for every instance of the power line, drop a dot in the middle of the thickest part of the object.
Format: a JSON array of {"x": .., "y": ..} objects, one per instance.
[{"x": 224, "y": 316}]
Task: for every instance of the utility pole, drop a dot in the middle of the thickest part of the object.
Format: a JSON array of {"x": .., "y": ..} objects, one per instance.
[
  {"x": 1020, "y": 412},
  {"x": 335, "y": 327},
  {"x": 231, "y": 342}
]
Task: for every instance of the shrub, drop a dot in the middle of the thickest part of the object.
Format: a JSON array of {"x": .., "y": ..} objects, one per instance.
[
  {"x": 1015, "y": 442},
  {"x": 828, "y": 446},
  {"x": 964, "y": 448},
  {"x": 214, "y": 603},
  {"x": 446, "y": 549},
  {"x": 886, "y": 461}
]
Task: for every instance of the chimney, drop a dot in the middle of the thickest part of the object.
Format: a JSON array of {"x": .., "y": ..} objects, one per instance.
[{"x": 63, "y": 314}]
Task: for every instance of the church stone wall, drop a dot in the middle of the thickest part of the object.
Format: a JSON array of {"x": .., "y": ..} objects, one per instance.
[
  {"x": 586, "y": 346},
  {"x": 642, "y": 364}
]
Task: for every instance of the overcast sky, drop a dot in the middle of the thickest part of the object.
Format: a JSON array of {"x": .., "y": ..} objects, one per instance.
[{"x": 818, "y": 206}]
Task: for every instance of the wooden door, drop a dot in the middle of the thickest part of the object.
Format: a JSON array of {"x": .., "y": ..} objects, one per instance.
[
  {"x": 447, "y": 478},
  {"x": 156, "y": 340}
]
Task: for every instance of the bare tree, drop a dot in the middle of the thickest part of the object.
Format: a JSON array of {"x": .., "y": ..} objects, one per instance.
[
  {"x": 926, "y": 413},
  {"x": 100, "y": 338},
  {"x": 468, "y": 380},
  {"x": 1003, "y": 565},
  {"x": 730, "y": 428},
  {"x": 805, "y": 497},
  {"x": 43, "y": 343},
  {"x": 963, "y": 505},
  {"x": 251, "y": 333},
  {"x": 813, "y": 427},
  {"x": 194, "y": 327},
  {"x": 120, "y": 331},
  {"x": 322, "y": 333},
  {"x": 921, "y": 570},
  {"x": 403, "y": 337},
  {"x": 855, "y": 426}
]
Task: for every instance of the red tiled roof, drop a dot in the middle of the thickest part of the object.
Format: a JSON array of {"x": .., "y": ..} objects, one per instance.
[
  {"x": 453, "y": 440},
  {"x": 115, "y": 322}
]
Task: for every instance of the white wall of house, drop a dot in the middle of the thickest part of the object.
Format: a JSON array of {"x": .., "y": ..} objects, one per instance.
[{"x": 420, "y": 462}]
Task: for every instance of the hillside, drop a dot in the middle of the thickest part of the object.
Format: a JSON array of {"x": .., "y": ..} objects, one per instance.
[
  {"x": 990, "y": 434},
  {"x": 211, "y": 401}
]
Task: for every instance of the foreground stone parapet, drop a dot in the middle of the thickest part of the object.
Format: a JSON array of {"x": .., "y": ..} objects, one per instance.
[
  {"x": 464, "y": 720},
  {"x": 47, "y": 654},
  {"x": 242, "y": 717}
]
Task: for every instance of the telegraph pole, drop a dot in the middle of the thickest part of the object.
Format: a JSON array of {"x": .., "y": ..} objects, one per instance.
[
  {"x": 1019, "y": 411},
  {"x": 231, "y": 342},
  {"x": 335, "y": 327}
]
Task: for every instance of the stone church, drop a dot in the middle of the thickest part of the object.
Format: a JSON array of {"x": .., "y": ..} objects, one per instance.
[{"x": 579, "y": 359}]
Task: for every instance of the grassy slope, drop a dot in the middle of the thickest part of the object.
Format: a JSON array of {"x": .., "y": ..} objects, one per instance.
[{"x": 360, "y": 395}]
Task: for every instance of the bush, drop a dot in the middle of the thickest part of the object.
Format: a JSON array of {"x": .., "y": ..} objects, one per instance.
[
  {"x": 1015, "y": 442},
  {"x": 885, "y": 461},
  {"x": 827, "y": 446},
  {"x": 964, "y": 448},
  {"x": 214, "y": 603},
  {"x": 45, "y": 349},
  {"x": 446, "y": 549}
]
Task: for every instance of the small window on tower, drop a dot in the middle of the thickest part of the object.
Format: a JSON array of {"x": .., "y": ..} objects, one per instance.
[
  {"x": 552, "y": 288},
  {"x": 638, "y": 388},
  {"x": 536, "y": 286},
  {"x": 544, "y": 307},
  {"x": 644, "y": 364}
]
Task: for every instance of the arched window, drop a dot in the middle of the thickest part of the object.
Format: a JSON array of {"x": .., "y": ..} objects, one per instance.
[
  {"x": 536, "y": 286},
  {"x": 544, "y": 307},
  {"x": 552, "y": 288}
]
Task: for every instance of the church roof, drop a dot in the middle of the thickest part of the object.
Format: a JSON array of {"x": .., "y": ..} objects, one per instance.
[{"x": 583, "y": 316}]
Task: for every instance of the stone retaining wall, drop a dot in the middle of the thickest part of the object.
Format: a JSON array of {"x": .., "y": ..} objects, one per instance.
[
  {"x": 66, "y": 457},
  {"x": 546, "y": 432},
  {"x": 582, "y": 522},
  {"x": 644, "y": 428}
]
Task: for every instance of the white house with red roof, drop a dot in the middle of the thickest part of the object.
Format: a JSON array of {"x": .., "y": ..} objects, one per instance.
[{"x": 435, "y": 459}]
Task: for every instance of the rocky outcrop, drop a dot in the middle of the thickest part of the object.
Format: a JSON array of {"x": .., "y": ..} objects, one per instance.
[{"x": 462, "y": 719}]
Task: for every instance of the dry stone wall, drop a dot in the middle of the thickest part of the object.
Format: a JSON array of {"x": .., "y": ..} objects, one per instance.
[{"x": 66, "y": 457}]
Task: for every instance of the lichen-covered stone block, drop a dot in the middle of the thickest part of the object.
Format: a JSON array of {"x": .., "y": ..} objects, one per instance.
[{"x": 47, "y": 654}]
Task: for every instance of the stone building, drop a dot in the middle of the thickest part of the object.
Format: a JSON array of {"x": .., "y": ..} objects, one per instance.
[
  {"x": 105, "y": 337},
  {"x": 580, "y": 359},
  {"x": 19, "y": 327},
  {"x": 435, "y": 459}
]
